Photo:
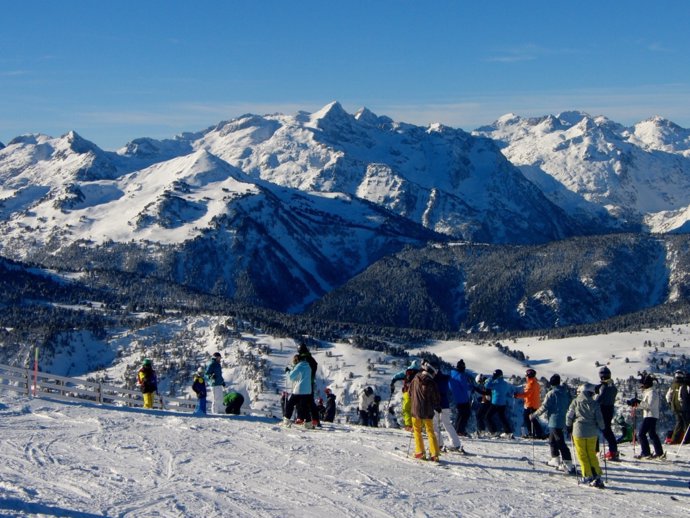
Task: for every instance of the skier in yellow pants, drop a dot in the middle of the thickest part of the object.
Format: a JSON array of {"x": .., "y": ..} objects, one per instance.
[{"x": 425, "y": 401}]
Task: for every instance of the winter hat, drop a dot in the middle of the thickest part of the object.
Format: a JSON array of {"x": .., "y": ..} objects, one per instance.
[
  {"x": 147, "y": 362},
  {"x": 216, "y": 355},
  {"x": 530, "y": 373},
  {"x": 555, "y": 380},
  {"x": 498, "y": 373},
  {"x": 605, "y": 373},
  {"x": 460, "y": 366},
  {"x": 679, "y": 376},
  {"x": 327, "y": 390}
]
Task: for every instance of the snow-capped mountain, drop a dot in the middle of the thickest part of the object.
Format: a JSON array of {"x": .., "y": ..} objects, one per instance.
[{"x": 631, "y": 178}]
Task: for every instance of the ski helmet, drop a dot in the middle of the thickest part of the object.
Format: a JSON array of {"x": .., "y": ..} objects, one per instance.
[
  {"x": 679, "y": 376},
  {"x": 147, "y": 362},
  {"x": 216, "y": 355},
  {"x": 460, "y": 366},
  {"x": 604, "y": 373},
  {"x": 498, "y": 373},
  {"x": 480, "y": 379},
  {"x": 530, "y": 373},
  {"x": 200, "y": 371},
  {"x": 555, "y": 380}
]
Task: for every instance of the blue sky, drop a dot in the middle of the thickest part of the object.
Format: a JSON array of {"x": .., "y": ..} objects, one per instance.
[{"x": 117, "y": 70}]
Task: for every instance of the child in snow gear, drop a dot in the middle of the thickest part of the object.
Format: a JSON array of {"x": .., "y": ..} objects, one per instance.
[
  {"x": 321, "y": 408},
  {"x": 532, "y": 400},
  {"x": 425, "y": 401},
  {"x": 375, "y": 412},
  {"x": 650, "y": 415},
  {"x": 501, "y": 392},
  {"x": 199, "y": 388},
  {"x": 390, "y": 418},
  {"x": 443, "y": 382},
  {"x": 214, "y": 374},
  {"x": 147, "y": 381},
  {"x": 461, "y": 391},
  {"x": 300, "y": 376},
  {"x": 483, "y": 404},
  {"x": 606, "y": 393},
  {"x": 555, "y": 406},
  {"x": 678, "y": 397},
  {"x": 233, "y": 402},
  {"x": 366, "y": 399},
  {"x": 406, "y": 375},
  {"x": 584, "y": 420},
  {"x": 329, "y": 412},
  {"x": 626, "y": 434}
]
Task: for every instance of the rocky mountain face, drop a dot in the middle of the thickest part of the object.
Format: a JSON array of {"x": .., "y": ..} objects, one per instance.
[
  {"x": 634, "y": 179},
  {"x": 279, "y": 211}
]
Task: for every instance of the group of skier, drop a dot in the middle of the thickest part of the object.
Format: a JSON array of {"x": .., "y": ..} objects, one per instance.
[{"x": 223, "y": 402}]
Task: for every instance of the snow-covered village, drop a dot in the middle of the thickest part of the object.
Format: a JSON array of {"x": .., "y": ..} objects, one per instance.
[{"x": 362, "y": 259}]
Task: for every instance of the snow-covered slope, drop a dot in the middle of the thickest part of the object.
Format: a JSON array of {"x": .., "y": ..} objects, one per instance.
[
  {"x": 640, "y": 176},
  {"x": 88, "y": 460}
]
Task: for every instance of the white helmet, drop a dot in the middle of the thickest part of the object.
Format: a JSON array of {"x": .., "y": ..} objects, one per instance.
[
  {"x": 586, "y": 388},
  {"x": 480, "y": 379}
]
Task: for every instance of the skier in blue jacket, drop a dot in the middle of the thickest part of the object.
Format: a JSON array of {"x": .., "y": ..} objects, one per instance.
[
  {"x": 461, "y": 390},
  {"x": 501, "y": 394},
  {"x": 300, "y": 376}
]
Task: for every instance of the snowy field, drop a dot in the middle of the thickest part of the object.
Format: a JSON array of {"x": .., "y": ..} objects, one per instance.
[{"x": 85, "y": 460}]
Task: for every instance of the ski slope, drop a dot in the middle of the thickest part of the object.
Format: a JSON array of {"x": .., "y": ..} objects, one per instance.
[{"x": 59, "y": 459}]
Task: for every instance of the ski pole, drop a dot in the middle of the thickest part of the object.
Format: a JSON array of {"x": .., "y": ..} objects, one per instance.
[
  {"x": 682, "y": 441},
  {"x": 534, "y": 466},
  {"x": 606, "y": 470}
]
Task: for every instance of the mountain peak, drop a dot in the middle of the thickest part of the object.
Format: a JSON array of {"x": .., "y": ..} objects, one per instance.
[
  {"x": 78, "y": 144},
  {"x": 573, "y": 117},
  {"x": 332, "y": 111}
]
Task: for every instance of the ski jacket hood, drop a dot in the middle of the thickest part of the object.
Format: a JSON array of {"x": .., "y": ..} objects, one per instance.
[
  {"x": 584, "y": 415},
  {"x": 300, "y": 376},
  {"x": 424, "y": 396}
]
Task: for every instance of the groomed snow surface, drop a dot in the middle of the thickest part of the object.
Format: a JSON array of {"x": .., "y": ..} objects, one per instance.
[{"x": 83, "y": 460}]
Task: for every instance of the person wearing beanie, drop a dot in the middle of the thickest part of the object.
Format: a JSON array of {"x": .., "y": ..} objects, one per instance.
[
  {"x": 147, "y": 381},
  {"x": 649, "y": 404},
  {"x": 532, "y": 400},
  {"x": 555, "y": 407},
  {"x": 584, "y": 421},
  {"x": 606, "y": 393},
  {"x": 214, "y": 374},
  {"x": 199, "y": 388}
]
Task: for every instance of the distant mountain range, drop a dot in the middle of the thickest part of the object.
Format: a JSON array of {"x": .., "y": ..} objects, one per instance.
[{"x": 279, "y": 211}]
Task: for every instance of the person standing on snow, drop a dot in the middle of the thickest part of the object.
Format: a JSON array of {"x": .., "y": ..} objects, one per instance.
[
  {"x": 532, "y": 400},
  {"x": 425, "y": 401},
  {"x": 606, "y": 393},
  {"x": 460, "y": 388},
  {"x": 501, "y": 392},
  {"x": 677, "y": 398},
  {"x": 329, "y": 412},
  {"x": 483, "y": 404},
  {"x": 443, "y": 382},
  {"x": 300, "y": 376},
  {"x": 147, "y": 381},
  {"x": 584, "y": 420},
  {"x": 555, "y": 406},
  {"x": 304, "y": 354},
  {"x": 199, "y": 388},
  {"x": 406, "y": 375},
  {"x": 650, "y": 415},
  {"x": 366, "y": 399},
  {"x": 214, "y": 374}
]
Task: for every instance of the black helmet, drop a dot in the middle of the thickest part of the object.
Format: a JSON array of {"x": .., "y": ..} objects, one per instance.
[
  {"x": 605, "y": 373},
  {"x": 498, "y": 373},
  {"x": 555, "y": 380},
  {"x": 460, "y": 366},
  {"x": 530, "y": 373},
  {"x": 679, "y": 375}
]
